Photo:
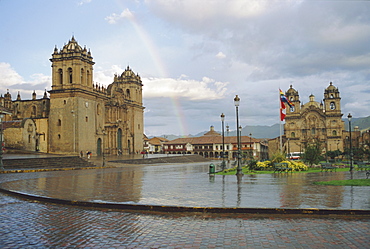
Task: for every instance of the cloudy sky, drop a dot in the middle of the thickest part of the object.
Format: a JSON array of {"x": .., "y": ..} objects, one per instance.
[{"x": 195, "y": 56}]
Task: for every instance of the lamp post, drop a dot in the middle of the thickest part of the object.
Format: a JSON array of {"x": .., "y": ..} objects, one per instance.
[
  {"x": 103, "y": 149},
  {"x": 350, "y": 143},
  {"x": 236, "y": 103},
  {"x": 250, "y": 145},
  {"x": 223, "y": 141},
  {"x": 1, "y": 142}
]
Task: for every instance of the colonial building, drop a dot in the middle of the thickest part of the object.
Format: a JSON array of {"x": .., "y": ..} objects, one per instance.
[
  {"x": 212, "y": 145},
  {"x": 78, "y": 115},
  {"x": 313, "y": 121},
  {"x": 154, "y": 145}
]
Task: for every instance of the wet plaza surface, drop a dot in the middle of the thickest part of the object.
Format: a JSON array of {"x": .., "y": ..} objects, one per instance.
[
  {"x": 190, "y": 185},
  {"x": 27, "y": 224}
]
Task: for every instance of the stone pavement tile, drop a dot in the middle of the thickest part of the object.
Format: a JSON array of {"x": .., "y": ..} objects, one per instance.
[{"x": 25, "y": 224}]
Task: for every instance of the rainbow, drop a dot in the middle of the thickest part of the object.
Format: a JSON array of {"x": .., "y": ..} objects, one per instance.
[{"x": 161, "y": 69}]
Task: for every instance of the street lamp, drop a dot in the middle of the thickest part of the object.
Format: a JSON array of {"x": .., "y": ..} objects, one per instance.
[
  {"x": 223, "y": 141},
  {"x": 250, "y": 145},
  {"x": 1, "y": 142},
  {"x": 236, "y": 103},
  {"x": 103, "y": 148},
  {"x": 350, "y": 143}
]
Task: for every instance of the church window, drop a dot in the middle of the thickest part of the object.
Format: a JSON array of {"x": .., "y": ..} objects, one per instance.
[
  {"x": 334, "y": 133},
  {"x": 58, "y": 136},
  {"x": 29, "y": 138},
  {"x": 70, "y": 75},
  {"x": 88, "y": 77},
  {"x": 98, "y": 109},
  {"x": 86, "y": 118},
  {"x": 332, "y": 105},
  {"x": 60, "y": 75},
  {"x": 34, "y": 110},
  {"x": 138, "y": 126},
  {"x": 82, "y": 76},
  {"x": 65, "y": 102},
  {"x": 292, "y": 135},
  {"x": 59, "y": 122},
  {"x": 313, "y": 131},
  {"x": 128, "y": 93}
]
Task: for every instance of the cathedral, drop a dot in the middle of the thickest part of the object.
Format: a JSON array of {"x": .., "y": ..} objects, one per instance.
[
  {"x": 314, "y": 121},
  {"x": 77, "y": 115}
]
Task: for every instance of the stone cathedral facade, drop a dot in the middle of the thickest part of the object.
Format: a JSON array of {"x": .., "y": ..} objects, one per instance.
[
  {"x": 78, "y": 115},
  {"x": 322, "y": 121}
]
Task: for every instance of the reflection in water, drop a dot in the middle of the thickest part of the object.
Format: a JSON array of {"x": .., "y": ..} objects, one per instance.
[{"x": 191, "y": 185}]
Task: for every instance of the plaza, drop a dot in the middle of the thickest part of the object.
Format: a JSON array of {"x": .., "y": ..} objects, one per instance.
[{"x": 34, "y": 224}]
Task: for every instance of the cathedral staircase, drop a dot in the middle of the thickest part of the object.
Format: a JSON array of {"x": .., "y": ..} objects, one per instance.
[{"x": 46, "y": 163}]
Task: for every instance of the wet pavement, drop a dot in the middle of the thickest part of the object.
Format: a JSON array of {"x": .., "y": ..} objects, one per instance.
[{"x": 26, "y": 224}]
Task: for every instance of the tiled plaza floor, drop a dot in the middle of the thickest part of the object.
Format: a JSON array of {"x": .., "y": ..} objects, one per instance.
[{"x": 26, "y": 224}]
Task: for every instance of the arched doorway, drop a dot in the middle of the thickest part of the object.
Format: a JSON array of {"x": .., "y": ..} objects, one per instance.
[
  {"x": 119, "y": 140},
  {"x": 98, "y": 147}
]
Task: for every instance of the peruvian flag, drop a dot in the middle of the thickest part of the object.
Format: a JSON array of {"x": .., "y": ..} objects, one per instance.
[{"x": 282, "y": 108}]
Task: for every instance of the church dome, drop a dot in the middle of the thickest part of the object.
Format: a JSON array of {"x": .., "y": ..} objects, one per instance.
[
  {"x": 331, "y": 88},
  {"x": 291, "y": 91},
  {"x": 72, "y": 46}
]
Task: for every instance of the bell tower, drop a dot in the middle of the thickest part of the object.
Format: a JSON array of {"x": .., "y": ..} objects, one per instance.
[
  {"x": 73, "y": 120},
  {"x": 293, "y": 97},
  {"x": 332, "y": 100},
  {"x": 72, "y": 67}
]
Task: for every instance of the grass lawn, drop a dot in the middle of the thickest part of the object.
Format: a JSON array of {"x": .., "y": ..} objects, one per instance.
[
  {"x": 355, "y": 182},
  {"x": 246, "y": 171}
]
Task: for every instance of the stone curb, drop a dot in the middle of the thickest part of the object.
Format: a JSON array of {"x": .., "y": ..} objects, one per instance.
[
  {"x": 305, "y": 212},
  {"x": 50, "y": 169}
]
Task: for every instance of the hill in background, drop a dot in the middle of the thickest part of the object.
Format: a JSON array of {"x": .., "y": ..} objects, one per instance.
[{"x": 268, "y": 132}]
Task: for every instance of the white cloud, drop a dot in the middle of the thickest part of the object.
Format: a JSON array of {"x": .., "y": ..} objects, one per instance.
[
  {"x": 114, "y": 18},
  {"x": 220, "y": 55},
  {"x": 84, "y": 2},
  {"x": 206, "y": 89},
  {"x": 8, "y": 75}
]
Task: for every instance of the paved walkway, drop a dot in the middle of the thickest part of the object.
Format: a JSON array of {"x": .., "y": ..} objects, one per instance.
[{"x": 25, "y": 224}]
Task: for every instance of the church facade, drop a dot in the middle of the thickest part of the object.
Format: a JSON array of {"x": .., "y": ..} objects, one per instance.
[
  {"x": 78, "y": 115},
  {"x": 314, "y": 122}
]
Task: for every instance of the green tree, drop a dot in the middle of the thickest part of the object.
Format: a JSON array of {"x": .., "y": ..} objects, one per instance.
[
  {"x": 333, "y": 153},
  {"x": 312, "y": 154}
]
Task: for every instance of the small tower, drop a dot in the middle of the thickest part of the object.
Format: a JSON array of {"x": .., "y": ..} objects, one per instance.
[
  {"x": 332, "y": 100},
  {"x": 293, "y": 97}
]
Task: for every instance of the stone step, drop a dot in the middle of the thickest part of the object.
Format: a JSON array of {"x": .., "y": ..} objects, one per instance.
[{"x": 47, "y": 162}]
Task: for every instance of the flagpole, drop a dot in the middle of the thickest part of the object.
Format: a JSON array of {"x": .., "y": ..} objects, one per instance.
[{"x": 281, "y": 138}]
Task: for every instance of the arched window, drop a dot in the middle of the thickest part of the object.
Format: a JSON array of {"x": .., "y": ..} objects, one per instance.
[
  {"x": 98, "y": 109},
  {"x": 82, "y": 76},
  {"x": 59, "y": 122},
  {"x": 313, "y": 131},
  {"x": 70, "y": 75},
  {"x": 60, "y": 75},
  {"x": 58, "y": 136},
  {"x": 34, "y": 110},
  {"x": 89, "y": 80},
  {"x": 292, "y": 134},
  {"x": 86, "y": 118},
  {"x": 128, "y": 93},
  {"x": 334, "y": 133}
]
